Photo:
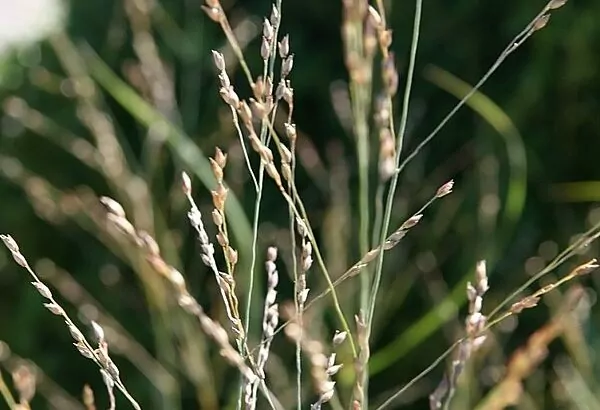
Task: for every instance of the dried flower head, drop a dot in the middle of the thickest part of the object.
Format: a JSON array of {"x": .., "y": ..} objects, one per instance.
[
  {"x": 541, "y": 22},
  {"x": 556, "y": 4},
  {"x": 445, "y": 189},
  {"x": 339, "y": 337},
  {"x": 219, "y": 60},
  {"x": 284, "y": 46},
  {"x": 112, "y": 206},
  {"x": 186, "y": 183}
]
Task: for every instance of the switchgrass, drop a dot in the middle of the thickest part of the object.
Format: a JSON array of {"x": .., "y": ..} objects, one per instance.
[{"x": 336, "y": 352}]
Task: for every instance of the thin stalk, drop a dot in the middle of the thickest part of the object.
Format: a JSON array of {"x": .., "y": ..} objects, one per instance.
[
  {"x": 363, "y": 203},
  {"x": 514, "y": 44},
  {"x": 255, "y": 221},
  {"x": 395, "y": 177},
  {"x": 394, "y": 182},
  {"x": 236, "y": 49},
  {"x": 378, "y": 218},
  {"x": 592, "y": 234},
  {"x": 299, "y": 307},
  {"x": 261, "y": 174},
  {"x": 302, "y": 215},
  {"x": 424, "y": 373},
  {"x": 589, "y": 236},
  {"x": 355, "y": 268},
  {"x": 259, "y": 191},
  {"x": 236, "y": 123}
]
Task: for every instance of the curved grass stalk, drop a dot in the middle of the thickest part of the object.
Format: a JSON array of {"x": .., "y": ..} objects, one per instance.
[
  {"x": 418, "y": 377},
  {"x": 515, "y": 43},
  {"x": 392, "y": 240},
  {"x": 421, "y": 329},
  {"x": 108, "y": 369},
  {"x": 589, "y": 236}
]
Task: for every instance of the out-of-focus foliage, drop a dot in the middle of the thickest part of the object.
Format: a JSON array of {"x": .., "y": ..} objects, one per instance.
[{"x": 523, "y": 154}]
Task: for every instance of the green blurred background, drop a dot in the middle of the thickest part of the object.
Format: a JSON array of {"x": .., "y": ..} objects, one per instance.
[{"x": 525, "y": 162}]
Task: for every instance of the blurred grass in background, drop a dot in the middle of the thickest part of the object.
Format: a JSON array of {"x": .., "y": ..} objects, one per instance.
[{"x": 523, "y": 154}]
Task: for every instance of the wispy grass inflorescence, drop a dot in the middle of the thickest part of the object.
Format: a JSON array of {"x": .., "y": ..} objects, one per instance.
[
  {"x": 528, "y": 357},
  {"x": 300, "y": 290},
  {"x": 306, "y": 262},
  {"x": 531, "y": 301},
  {"x": 219, "y": 196},
  {"x": 225, "y": 280},
  {"x": 536, "y": 24},
  {"x": 260, "y": 111},
  {"x": 262, "y": 108},
  {"x": 151, "y": 251},
  {"x": 475, "y": 325},
  {"x": 269, "y": 324},
  {"x": 108, "y": 369}
]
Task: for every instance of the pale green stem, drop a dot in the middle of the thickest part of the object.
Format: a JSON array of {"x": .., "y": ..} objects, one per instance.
[
  {"x": 259, "y": 192},
  {"x": 395, "y": 177}
]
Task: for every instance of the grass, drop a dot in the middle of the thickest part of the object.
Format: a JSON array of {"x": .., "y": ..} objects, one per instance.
[{"x": 260, "y": 274}]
